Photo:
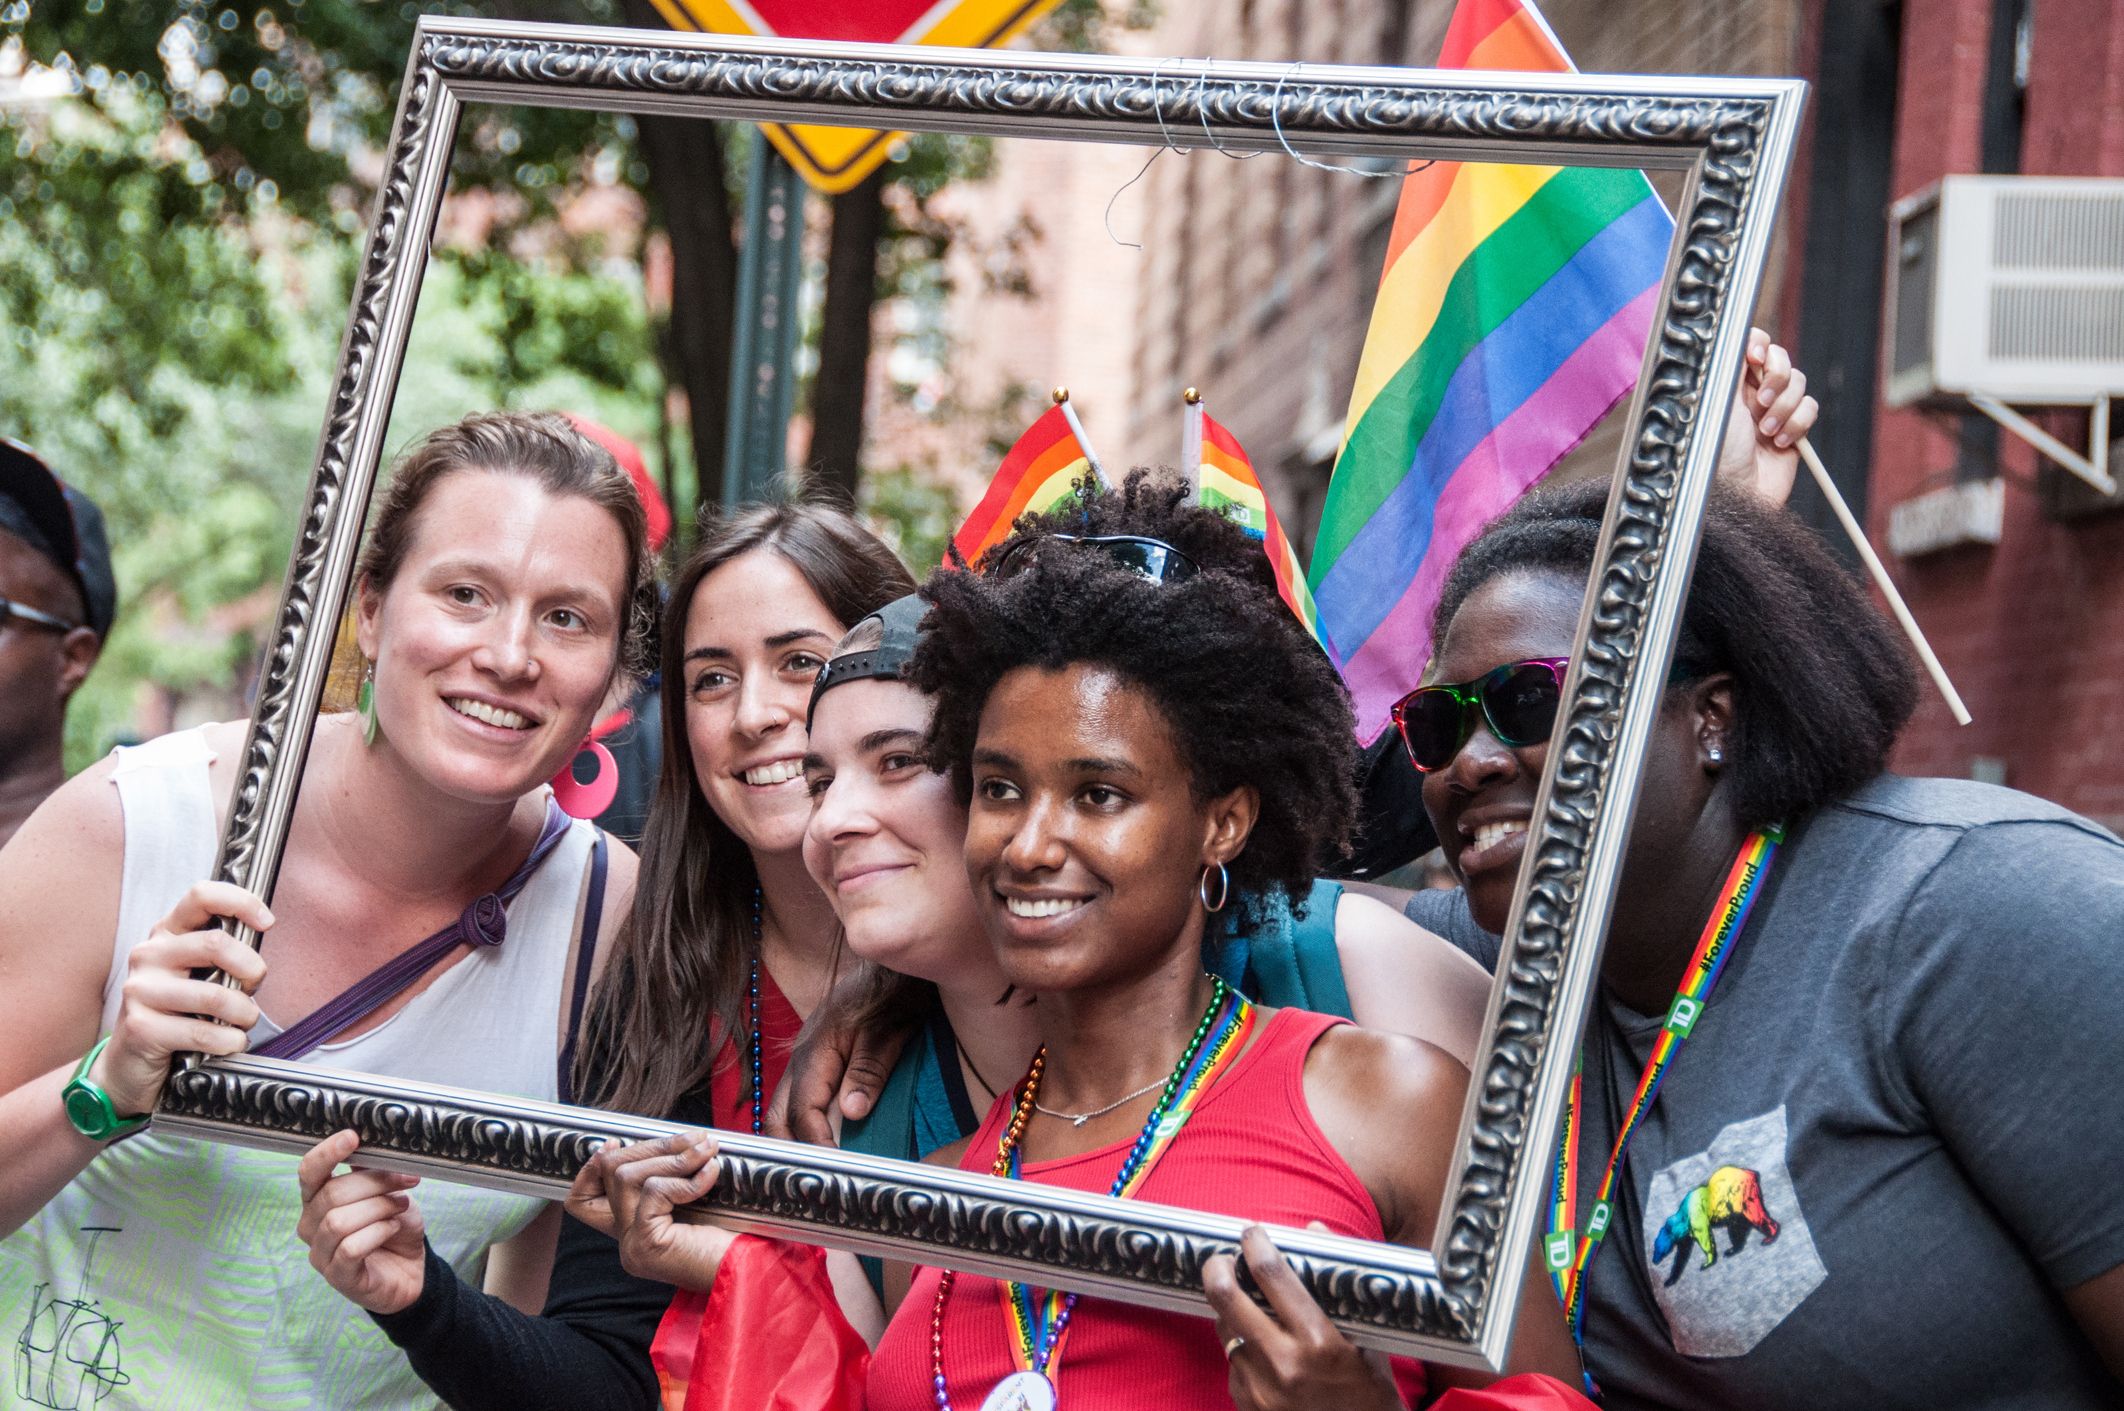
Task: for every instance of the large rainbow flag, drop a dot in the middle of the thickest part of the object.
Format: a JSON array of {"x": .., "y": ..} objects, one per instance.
[
  {"x": 1035, "y": 476},
  {"x": 1227, "y": 481},
  {"x": 1511, "y": 316}
]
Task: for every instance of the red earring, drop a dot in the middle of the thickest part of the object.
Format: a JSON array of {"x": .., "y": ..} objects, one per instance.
[{"x": 587, "y": 800}]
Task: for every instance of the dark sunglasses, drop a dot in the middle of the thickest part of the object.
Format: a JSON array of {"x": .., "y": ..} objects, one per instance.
[
  {"x": 1517, "y": 700},
  {"x": 11, "y": 611},
  {"x": 1155, "y": 559}
]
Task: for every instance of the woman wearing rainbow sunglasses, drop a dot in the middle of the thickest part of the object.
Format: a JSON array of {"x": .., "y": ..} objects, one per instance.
[{"x": 1889, "y": 1006}]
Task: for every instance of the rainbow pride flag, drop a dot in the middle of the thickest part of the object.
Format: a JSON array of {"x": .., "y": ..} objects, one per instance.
[
  {"x": 1227, "y": 482},
  {"x": 1512, "y": 314},
  {"x": 1035, "y": 476}
]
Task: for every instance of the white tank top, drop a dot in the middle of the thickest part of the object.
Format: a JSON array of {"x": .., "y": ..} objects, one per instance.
[{"x": 168, "y": 1273}]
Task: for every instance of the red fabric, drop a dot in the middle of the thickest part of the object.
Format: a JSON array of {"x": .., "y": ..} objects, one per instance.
[
  {"x": 771, "y": 1338},
  {"x": 1529, "y": 1391},
  {"x": 630, "y": 460},
  {"x": 730, "y": 1081},
  {"x": 729, "y": 1092},
  {"x": 1251, "y": 1150}
]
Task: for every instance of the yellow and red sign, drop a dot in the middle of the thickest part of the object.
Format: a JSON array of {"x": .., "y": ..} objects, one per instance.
[{"x": 833, "y": 159}]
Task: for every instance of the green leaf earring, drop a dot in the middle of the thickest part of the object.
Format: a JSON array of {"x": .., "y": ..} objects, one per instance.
[{"x": 365, "y": 703}]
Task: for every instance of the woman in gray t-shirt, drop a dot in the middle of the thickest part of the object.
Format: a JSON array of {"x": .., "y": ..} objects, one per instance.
[{"x": 1881, "y": 1172}]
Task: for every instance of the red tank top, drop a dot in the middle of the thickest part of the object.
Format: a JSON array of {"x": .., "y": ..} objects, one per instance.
[
  {"x": 730, "y": 1080},
  {"x": 730, "y": 1105},
  {"x": 1251, "y": 1150}
]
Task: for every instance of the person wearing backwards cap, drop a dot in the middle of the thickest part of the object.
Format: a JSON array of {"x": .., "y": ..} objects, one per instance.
[{"x": 57, "y": 599}]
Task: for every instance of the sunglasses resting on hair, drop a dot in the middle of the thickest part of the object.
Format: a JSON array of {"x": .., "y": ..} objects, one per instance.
[{"x": 1155, "y": 559}]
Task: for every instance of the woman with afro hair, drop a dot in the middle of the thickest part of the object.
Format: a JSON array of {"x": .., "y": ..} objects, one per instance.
[
  {"x": 1144, "y": 739},
  {"x": 1315, "y": 945},
  {"x": 1263, "y": 707}
]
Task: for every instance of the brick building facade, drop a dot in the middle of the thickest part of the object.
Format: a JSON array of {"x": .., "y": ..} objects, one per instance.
[
  {"x": 2030, "y": 629},
  {"x": 1255, "y": 276},
  {"x": 1255, "y": 280},
  {"x": 1258, "y": 277}
]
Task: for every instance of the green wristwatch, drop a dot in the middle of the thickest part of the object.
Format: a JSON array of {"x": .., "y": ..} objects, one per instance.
[{"x": 89, "y": 1108}]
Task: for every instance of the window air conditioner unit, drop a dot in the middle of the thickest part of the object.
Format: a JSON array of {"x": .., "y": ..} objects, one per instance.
[{"x": 2007, "y": 289}]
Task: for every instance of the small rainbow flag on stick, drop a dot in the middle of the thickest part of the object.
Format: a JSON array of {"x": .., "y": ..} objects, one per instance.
[
  {"x": 1036, "y": 476},
  {"x": 1225, "y": 479},
  {"x": 1511, "y": 316}
]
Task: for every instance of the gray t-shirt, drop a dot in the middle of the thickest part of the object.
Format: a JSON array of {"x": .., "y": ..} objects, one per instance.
[{"x": 1894, "y": 1135}]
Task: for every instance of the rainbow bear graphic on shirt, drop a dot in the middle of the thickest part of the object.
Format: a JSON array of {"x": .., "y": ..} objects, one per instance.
[
  {"x": 1742, "y": 1288},
  {"x": 1732, "y": 1199}
]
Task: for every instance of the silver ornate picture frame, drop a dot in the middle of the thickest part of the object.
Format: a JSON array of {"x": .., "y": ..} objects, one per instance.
[{"x": 1455, "y": 1304}]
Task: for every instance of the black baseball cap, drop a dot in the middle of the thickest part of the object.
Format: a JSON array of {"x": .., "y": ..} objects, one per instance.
[
  {"x": 61, "y": 523},
  {"x": 901, "y": 620}
]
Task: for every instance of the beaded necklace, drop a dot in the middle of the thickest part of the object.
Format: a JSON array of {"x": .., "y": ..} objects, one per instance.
[
  {"x": 1037, "y": 1332},
  {"x": 752, "y": 1014}
]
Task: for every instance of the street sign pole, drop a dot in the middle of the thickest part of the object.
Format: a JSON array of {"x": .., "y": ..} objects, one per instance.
[{"x": 763, "y": 362}]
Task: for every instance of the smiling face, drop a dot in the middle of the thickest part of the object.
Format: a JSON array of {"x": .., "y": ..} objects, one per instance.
[
  {"x": 1085, "y": 839},
  {"x": 495, "y": 641},
  {"x": 1483, "y": 801},
  {"x": 887, "y": 838},
  {"x": 756, "y": 635}
]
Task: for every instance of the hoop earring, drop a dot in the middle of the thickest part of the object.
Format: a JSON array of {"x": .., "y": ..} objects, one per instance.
[
  {"x": 587, "y": 800},
  {"x": 1224, "y": 889},
  {"x": 365, "y": 702}
]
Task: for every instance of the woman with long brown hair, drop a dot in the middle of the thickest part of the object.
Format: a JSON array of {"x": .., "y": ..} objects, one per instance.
[
  {"x": 726, "y": 922},
  {"x": 727, "y": 946}
]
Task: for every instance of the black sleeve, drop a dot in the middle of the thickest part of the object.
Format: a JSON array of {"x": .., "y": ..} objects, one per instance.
[{"x": 588, "y": 1351}]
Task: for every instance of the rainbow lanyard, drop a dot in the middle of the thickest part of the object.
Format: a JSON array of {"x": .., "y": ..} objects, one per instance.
[
  {"x": 1728, "y": 915},
  {"x": 1038, "y": 1328}
]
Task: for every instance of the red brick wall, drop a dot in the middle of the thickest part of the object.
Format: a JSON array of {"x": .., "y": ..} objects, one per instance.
[{"x": 2032, "y": 630}]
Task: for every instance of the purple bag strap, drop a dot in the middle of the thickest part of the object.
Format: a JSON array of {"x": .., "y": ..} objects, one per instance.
[
  {"x": 483, "y": 923},
  {"x": 585, "y": 959}
]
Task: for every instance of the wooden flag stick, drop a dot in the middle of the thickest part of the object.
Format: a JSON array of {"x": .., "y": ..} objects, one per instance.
[
  {"x": 1884, "y": 582},
  {"x": 1076, "y": 429},
  {"x": 1191, "y": 438}
]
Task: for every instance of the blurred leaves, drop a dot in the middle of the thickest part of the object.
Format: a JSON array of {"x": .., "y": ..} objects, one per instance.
[
  {"x": 545, "y": 319},
  {"x": 181, "y": 203},
  {"x": 277, "y": 97},
  {"x": 174, "y": 270},
  {"x": 914, "y": 514}
]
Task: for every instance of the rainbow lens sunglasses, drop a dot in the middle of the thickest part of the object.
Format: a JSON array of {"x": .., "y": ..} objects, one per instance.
[
  {"x": 1517, "y": 700},
  {"x": 1155, "y": 559}
]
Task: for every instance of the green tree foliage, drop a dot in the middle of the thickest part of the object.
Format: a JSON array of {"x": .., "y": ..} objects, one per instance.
[
  {"x": 177, "y": 234},
  {"x": 280, "y": 94},
  {"x": 181, "y": 206},
  {"x": 911, "y": 512}
]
